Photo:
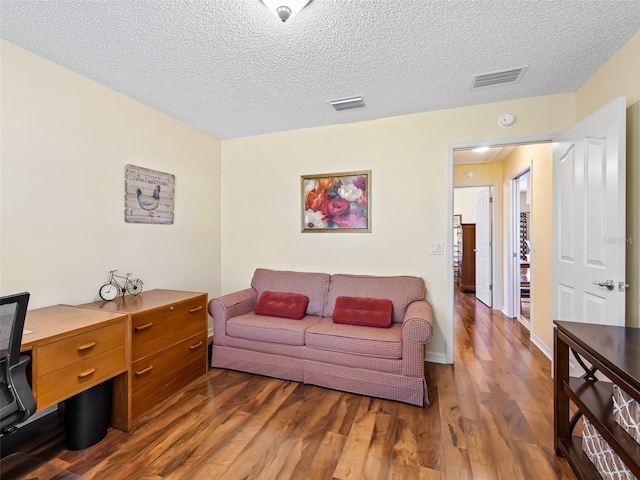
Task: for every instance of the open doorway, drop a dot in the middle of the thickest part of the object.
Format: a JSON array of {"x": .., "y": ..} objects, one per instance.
[
  {"x": 554, "y": 227},
  {"x": 472, "y": 241},
  {"x": 521, "y": 237},
  {"x": 498, "y": 167}
]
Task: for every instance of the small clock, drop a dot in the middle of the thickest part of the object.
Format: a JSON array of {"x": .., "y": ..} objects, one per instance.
[{"x": 108, "y": 291}]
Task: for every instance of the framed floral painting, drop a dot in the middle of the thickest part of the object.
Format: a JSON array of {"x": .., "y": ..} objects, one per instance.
[{"x": 336, "y": 202}]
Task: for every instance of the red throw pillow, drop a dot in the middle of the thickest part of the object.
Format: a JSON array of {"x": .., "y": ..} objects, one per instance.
[
  {"x": 282, "y": 304},
  {"x": 370, "y": 312}
]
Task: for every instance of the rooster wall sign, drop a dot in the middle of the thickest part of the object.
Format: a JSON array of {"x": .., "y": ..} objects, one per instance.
[{"x": 149, "y": 196}]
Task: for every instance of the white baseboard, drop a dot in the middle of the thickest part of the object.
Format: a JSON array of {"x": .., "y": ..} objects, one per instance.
[
  {"x": 507, "y": 313},
  {"x": 524, "y": 322},
  {"x": 542, "y": 346},
  {"x": 435, "y": 357},
  {"x": 210, "y": 335}
]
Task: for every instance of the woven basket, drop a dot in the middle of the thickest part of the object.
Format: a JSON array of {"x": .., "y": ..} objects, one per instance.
[
  {"x": 626, "y": 412},
  {"x": 602, "y": 456}
]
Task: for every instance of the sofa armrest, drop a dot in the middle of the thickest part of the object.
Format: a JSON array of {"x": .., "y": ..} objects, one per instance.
[
  {"x": 228, "y": 306},
  {"x": 417, "y": 329}
]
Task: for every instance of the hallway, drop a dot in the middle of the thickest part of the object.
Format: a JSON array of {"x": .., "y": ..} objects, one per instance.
[{"x": 495, "y": 403}]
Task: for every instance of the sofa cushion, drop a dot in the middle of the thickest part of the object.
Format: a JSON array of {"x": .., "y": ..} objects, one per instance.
[
  {"x": 282, "y": 304},
  {"x": 270, "y": 329},
  {"x": 313, "y": 285},
  {"x": 386, "y": 365},
  {"x": 369, "y": 312},
  {"x": 295, "y": 351},
  {"x": 400, "y": 290},
  {"x": 355, "y": 339}
]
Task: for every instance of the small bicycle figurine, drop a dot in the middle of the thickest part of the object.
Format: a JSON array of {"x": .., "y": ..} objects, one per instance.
[{"x": 111, "y": 289}]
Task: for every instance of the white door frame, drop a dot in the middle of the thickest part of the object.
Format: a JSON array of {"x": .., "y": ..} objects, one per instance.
[
  {"x": 486, "y": 249},
  {"x": 513, "y": 281},
  {"x": 448, "y": 273}
]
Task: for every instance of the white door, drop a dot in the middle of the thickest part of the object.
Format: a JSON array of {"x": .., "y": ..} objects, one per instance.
[
  {"x": 589, "y": 219},
  {"x": 483, "y": 247}
]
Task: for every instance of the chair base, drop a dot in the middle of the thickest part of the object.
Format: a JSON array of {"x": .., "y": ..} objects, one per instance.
[{"x": 22, "y": 466}]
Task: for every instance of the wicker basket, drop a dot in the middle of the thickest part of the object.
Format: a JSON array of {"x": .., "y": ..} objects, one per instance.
[
  {"x": 626, "y": 412},
  {"x": 602, "y": 456}
]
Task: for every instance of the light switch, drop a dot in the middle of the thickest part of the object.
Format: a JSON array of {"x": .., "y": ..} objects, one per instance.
[{"x": 437, "y": 248}]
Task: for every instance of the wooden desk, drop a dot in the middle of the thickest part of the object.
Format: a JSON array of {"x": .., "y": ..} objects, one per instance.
[
  {"x": 152, "y": 345},
  {"x": 168, "y": 348},
  {"x": 72, "y": 350}
]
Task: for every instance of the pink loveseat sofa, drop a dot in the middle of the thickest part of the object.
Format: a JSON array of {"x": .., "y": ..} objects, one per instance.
[{"x": 379, "y": 362}]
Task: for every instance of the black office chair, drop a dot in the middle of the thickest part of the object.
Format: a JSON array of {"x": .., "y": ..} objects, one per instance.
[{"x": 17, "y": 402}]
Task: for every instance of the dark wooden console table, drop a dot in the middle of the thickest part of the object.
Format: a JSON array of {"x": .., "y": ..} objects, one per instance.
[{"x": 614, "y": 352}]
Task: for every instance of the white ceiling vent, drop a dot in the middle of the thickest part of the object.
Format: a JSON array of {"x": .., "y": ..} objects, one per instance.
[
  {"x": 513, "y": 75},
  {"x": 348, "y": 103}
]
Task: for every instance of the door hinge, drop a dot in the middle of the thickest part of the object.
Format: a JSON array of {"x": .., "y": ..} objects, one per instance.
[
  {"x": 490, "y": 199},
  {"x": 491, "y": 243},
  {"x": 491, "y": 287}
]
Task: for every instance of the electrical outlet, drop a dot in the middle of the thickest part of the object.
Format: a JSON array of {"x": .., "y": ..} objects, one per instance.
[{"x": 437, "y": 248}]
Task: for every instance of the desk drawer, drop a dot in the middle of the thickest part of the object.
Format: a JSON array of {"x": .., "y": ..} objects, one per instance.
[
  {"x": 63, "y": 353},
  {"x": 66, "y": 382},
  {"x": 161, "y": 375},
  {"x": 152, "y": 331}
]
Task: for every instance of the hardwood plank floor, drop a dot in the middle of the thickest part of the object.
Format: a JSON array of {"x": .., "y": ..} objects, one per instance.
[{"x": 490, "y": 417}]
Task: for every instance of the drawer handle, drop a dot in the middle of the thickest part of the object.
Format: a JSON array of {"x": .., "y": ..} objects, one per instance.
[
  {"x": 87, "y": 346},
  {"x": 87, "y": 373},
  {"x": 144, "y": 327},
  {"x": 197, "y": 345},
  {"x": 144, "y": 370},
  {"x": 197, "y": 309}
]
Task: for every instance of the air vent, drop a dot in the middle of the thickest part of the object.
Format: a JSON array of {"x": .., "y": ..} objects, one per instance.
[
  {"x": 513, "y": 75},
  {"x": 348, "y": 103}
]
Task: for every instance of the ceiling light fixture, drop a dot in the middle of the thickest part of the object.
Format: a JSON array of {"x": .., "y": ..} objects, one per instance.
[
  {"x": 481, "y": 149},
  {"x": 285, "y": 9}
]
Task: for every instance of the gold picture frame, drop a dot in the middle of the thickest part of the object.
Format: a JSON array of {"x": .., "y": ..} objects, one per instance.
[{"x": 336, "y": 202}]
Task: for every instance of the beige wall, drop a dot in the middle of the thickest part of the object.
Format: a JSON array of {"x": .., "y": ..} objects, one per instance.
[
  {"x": 539, "y": 159},
  {"x": 465, "y": 203},
  {"x": 411, "y": 194},
  {"x": 65, "y": 143},
  {"x": 621, "y": 76}
]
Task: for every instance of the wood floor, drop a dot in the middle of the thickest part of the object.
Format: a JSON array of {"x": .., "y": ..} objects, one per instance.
[{"x": 490, "y": 418}]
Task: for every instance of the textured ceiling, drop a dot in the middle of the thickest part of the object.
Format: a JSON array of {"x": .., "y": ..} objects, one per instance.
[
  {"x": 493, "y": 155},
  {"x": 230, "y": 68}
]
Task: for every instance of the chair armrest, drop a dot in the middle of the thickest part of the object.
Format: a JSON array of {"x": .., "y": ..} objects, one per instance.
[
  {"x": 22, "y": 388},
  {"x": 417, "y": 330},
  {"x": 228, "y": 306}
]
